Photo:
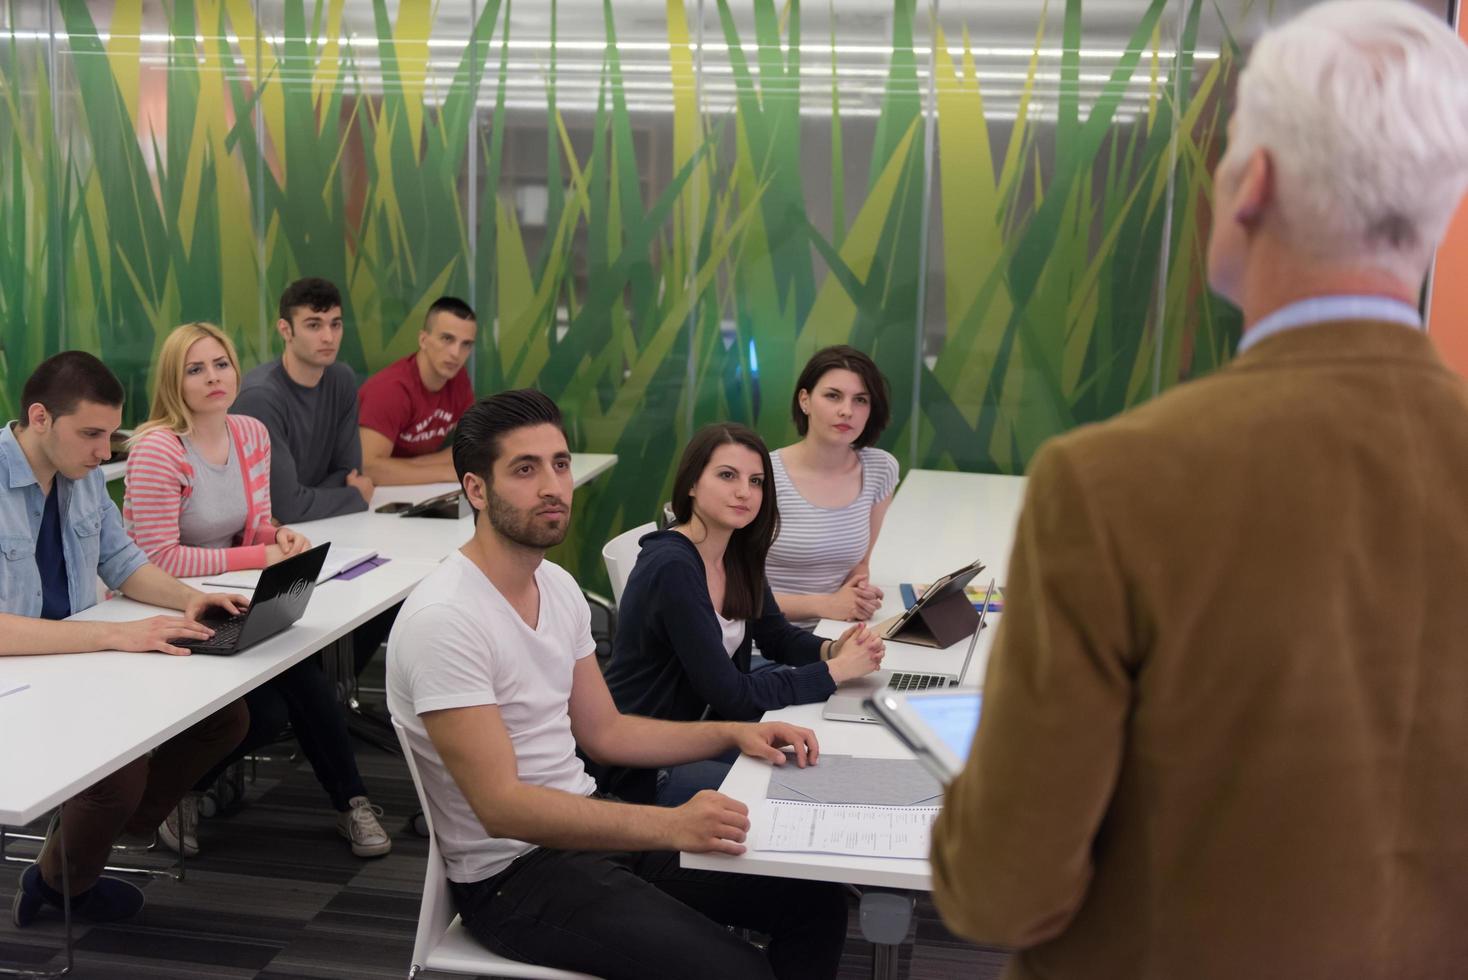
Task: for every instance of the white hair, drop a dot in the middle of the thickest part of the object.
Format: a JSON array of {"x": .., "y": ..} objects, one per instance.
[{"x": 1363, "y": 107}]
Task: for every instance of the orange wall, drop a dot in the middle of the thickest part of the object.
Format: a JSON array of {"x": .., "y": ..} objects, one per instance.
[{"x": 1447, "y": 319}]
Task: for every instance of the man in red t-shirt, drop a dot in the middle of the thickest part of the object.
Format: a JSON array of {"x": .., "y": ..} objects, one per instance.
[{"x": 407, "y": 410}]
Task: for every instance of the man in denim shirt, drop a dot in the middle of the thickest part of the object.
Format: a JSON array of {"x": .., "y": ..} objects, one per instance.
[{"x": 58, "y": 532}]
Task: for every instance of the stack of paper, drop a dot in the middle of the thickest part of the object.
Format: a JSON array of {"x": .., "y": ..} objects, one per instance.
[{"x": 850, "y": 804}]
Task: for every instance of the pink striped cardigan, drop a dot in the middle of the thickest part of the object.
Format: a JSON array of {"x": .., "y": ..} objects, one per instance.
[{"x": 160, "y": 478}]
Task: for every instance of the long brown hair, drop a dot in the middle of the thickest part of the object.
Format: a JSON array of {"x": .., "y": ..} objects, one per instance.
[{"x": 744, "y": 558}]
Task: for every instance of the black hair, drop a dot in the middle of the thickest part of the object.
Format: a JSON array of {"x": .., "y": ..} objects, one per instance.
[
  {"x": 451, "y": 305},
  {"x": 317, "y": 295},
  {"x": 64, "y": 380},
  {"x": 477, "y": 435},
  {"x": 853, "y": 360},
  {"x": 744, "y": 557}
]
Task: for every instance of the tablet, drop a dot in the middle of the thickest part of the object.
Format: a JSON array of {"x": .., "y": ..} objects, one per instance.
[{"x": 937, "y": 726}]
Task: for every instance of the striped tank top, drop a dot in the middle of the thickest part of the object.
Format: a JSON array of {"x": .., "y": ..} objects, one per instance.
[{"x": 818, "y": 546}]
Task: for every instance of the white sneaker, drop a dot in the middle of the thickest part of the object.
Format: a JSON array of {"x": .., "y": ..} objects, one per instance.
[
  {"x": 361, "y": 826},
  {"x": 179, "y": 831}
]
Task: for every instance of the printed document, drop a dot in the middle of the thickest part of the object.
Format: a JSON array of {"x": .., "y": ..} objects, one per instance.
[{"x": 834, "y": 828}]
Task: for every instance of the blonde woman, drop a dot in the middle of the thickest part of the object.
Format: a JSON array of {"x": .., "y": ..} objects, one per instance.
[
  {"x": 197, "y": 501},
  {"x": 198, "y": 478}
]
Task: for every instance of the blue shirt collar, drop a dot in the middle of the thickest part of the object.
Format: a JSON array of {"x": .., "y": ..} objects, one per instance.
[
  {"x": 1326, "y": 309},
  {"x": 18, "y": 472}
]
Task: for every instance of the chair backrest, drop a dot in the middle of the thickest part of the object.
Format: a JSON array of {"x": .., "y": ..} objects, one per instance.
[
  {"x": 437, "y": 910},
  {"x": 620, "y": 554}
]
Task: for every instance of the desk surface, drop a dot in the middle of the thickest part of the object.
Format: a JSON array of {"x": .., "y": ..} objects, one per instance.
[
  {"x": 749, "y": 779},
  {"x": 128, "y": 688},
  {"x": 45, "y": 763},
  {"x": 941, "y": 521}
]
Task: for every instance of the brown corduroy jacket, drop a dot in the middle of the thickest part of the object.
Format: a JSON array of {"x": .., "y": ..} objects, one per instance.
[{"x": 1225, "y": 722}]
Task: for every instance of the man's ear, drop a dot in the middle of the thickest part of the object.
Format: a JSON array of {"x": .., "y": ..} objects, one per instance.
[
  {"x": 284, "y": 328},
  {"x": 1256, "y": 189},
  {"x": 37, "y": 418},
  {"x": 476, "y": 491}
]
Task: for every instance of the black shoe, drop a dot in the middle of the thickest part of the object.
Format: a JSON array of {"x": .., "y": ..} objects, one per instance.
[
  {"x": 28, "y": 897},
  {"x": 109, "y": 900}
]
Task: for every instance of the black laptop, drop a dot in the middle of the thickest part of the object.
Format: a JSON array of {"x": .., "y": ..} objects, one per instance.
[{"x": 279, "y": 600}]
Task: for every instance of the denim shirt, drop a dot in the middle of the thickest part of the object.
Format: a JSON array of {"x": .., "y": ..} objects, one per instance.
[{"x": 92, "y": 535}]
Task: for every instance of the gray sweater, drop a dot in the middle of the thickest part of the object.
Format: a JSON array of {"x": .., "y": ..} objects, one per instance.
[{"x": 313, "y": 440}]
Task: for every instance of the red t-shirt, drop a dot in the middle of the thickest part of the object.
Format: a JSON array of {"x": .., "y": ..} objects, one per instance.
[{"x": 395, "y": 403}]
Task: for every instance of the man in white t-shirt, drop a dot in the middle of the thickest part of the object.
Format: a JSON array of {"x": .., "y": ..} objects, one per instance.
[{"x": 490, "y": 670}]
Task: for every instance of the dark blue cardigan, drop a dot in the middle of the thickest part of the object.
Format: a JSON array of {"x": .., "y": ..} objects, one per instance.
[{"x": 668, "y": 657}]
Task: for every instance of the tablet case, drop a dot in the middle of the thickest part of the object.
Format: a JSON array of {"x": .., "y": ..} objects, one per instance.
[
  {"x": 938, "y": 623},
  {"x": 450, "y": 506}
]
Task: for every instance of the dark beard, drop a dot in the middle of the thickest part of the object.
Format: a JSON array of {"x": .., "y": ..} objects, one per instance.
[{"x": 520, "y": 528}]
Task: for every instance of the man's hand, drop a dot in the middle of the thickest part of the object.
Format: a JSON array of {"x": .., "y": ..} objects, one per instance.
[
  {"x": 231, "y": 603},
  {"x": 856, "y": 600},
  {"x": 709, "y": 823},
  {"x": 363, "y": 483},
  {"x": 153, "y": 633},
  {"x": 768, "y": 739},
  {"x": 857, "y": 653}
]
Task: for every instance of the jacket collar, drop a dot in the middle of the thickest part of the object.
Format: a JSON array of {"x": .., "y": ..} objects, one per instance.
[
  {"x": 1342, "y": 340},
  {"x": 18, "y": 472}
]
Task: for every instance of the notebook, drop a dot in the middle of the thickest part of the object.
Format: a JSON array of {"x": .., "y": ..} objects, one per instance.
[{"x": 338, "y": 559}]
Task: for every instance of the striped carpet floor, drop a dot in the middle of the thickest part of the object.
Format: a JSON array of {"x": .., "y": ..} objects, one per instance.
[{"x": 277, "y": 895}]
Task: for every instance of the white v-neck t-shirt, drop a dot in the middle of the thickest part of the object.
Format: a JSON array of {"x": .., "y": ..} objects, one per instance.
[
  {"x": 457, "y": 643},
  {"x": 733, "y": 630}
]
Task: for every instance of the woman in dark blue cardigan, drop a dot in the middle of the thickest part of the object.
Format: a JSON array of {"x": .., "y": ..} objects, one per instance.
[{"x": 697, "y": 599}]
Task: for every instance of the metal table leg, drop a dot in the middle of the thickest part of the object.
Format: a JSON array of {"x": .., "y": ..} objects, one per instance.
[
  {"x": 885, "y": 919},
  {"x": 65, "y": 915}
]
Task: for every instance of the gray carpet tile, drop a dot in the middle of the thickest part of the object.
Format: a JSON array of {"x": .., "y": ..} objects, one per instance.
[{"x": 278, "y": 895}]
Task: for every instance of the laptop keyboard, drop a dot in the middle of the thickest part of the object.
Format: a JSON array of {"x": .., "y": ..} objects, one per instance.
[
  {"x": 226, "y": 632},
  {"x": 916, "y": 682}
]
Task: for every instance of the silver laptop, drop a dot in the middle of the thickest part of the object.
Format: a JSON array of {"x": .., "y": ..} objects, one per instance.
[{"x": 849, "y": 701}]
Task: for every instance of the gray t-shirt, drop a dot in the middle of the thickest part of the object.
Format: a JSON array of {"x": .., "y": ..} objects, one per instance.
[
  {"x": 213, "y": 514},
  {"x": 313, "y": 440}
]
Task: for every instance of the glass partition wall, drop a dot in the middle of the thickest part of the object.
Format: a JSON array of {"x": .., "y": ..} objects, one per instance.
[{"x": 658, "y": 209}]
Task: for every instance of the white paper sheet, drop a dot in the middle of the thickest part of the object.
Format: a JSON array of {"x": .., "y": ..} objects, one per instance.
[{"x": 834, "y": 828}]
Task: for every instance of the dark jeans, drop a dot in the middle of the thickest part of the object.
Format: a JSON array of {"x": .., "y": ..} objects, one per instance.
[
  {"x": 304, "y": 697},
  {"x": 136, "y": 798},
  {"x": 640, "y": 916},
  {"x": 679, "y": 784}
]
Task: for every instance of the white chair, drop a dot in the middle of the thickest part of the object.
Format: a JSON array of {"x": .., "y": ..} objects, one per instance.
[
  {"x": 442, "y": 943},
  {"x": 620, "y": 554}
]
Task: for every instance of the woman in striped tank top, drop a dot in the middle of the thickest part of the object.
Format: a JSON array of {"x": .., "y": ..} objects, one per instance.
[
  {"x": 834, "y": 487},
  {"x": 197, "y": 502}
]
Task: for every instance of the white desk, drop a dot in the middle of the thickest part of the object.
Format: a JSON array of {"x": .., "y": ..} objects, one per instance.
[
  {"x": 421, "y": 538},
  {"x": 940, "y": 521},
  {"x": 749, "y": 779},
  {"x": 143, "y": 699}
]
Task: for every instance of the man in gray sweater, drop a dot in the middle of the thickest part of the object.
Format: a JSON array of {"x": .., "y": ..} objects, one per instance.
[{"x": 308, "y": 402}]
